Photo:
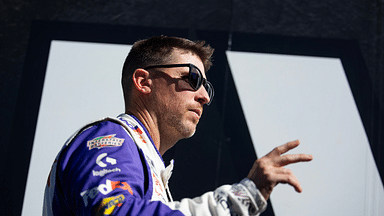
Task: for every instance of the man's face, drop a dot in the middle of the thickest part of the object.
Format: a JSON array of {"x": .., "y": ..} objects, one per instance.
[{"x": 177, "y": 106}]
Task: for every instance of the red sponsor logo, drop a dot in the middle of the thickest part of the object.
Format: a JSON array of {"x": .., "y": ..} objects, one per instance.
[{"x": 121, "y": 185}]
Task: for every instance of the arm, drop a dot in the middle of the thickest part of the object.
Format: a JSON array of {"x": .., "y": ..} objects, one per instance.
[
  {"x": 245, "y": 198},
  {"x": 237, "y": 199}
]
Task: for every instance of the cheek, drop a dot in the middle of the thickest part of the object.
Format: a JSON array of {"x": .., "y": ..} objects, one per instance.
[
  {"x": 168, "y": 101},
  {"x": 172, "y": 97},
  {"x": 183, "y": 85},
  {"x": 173, "y": 105},
  {"x": 175, "y": 97}
]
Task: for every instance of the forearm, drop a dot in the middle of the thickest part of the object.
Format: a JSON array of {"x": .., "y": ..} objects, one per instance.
[{"x": 238, "y": 199}]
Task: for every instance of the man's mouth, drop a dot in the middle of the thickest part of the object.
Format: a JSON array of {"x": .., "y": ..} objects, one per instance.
[{"x": 197, "y": 111}]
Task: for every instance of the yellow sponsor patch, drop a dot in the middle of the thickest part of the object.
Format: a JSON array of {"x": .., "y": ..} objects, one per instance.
[{"x": 108, "y": 205}]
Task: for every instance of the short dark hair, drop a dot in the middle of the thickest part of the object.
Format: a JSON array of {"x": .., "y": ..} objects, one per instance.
[{"x": 157, "y": 50}]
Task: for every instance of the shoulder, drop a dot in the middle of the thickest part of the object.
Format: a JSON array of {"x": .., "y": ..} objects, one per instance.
[
  {"x": 96, "y": 160},
  {"x": 105, "y": 136}
]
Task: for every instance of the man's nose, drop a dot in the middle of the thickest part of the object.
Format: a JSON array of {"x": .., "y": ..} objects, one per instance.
[{"x": 202, "y": 95}]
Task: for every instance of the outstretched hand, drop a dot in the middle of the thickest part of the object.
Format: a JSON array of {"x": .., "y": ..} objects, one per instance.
[{"x": 269, "y": 170}]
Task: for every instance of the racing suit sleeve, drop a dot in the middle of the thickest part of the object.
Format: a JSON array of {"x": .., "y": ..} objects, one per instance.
[
  {"x": 237, "y": 199},
  {"x": 102, "y": 172}
]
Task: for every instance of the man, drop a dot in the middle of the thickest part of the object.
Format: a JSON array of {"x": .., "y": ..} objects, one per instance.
[{"x": 114, "y": 167}]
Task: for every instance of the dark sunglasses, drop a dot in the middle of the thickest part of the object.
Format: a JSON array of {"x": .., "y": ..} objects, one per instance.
[{"x": 195, "y": 78}]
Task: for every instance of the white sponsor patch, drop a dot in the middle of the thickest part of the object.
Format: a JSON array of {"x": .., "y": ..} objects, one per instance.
[
  {"x": 108, "y": 160},
  {"x": 105, "y": 171},
  {"x": 105, "y": 141}
]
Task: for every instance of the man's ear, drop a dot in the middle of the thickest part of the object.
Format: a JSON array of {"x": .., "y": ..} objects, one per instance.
[{"x": 141, "y": 81}]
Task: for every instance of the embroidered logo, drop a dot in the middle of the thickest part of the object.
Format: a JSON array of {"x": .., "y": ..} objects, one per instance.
[
  {"x": 108, "y": 160},
  {"x": 138, "y": 132},
  {"x": 109, "y": 204},
  {"x": 105, "y": 189},
  {"x": 105, "y": 171},
  {"x": 157, "y": 185},
  {"x": 105, "y": 141}
]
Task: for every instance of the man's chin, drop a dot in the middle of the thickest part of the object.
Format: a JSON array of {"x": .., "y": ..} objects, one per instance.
[
  {"x": 187, "y": 130},
  {"x": 189, "y": 133}
]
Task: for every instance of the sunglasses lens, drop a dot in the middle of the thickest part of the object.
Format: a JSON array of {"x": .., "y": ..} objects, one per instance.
[
  {"x": 194, "y": 78},
  {"x": 208, "y": 86}
]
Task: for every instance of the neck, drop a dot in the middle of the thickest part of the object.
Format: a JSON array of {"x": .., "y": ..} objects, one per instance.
[{"x": 161, "y": 141}]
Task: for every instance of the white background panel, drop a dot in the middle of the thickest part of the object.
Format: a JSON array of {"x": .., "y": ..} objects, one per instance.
[
  {"x": 283, "y": 97},
  {"x": 308, "y": 98},
  {"x": 82, "y": 84}
]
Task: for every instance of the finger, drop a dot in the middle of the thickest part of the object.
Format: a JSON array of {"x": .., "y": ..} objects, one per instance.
[
  {"x": 286, "y": 147},
  {"x": 293, "y": 158},
  {"x": 290, "y": 179},
  {"x": 282, "y": 170}
]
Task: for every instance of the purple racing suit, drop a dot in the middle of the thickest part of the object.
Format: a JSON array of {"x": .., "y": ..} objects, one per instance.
[{"x": 111, "y": 167}]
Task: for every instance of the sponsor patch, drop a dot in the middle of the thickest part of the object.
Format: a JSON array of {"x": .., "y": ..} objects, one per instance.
[
  {"x": 108, "y": 205},
  {"x": 105, "y": 171},
  {"x": 141, "y": 134},
  {"x": 107, "y": 159},
  {"x": 105, "y": 189},
  {"x": 104, "y": 141},
  {"x": 138, "y": 131},
  {"x": 121, "y": 185},
  {"x": 157, "y": 185}
]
